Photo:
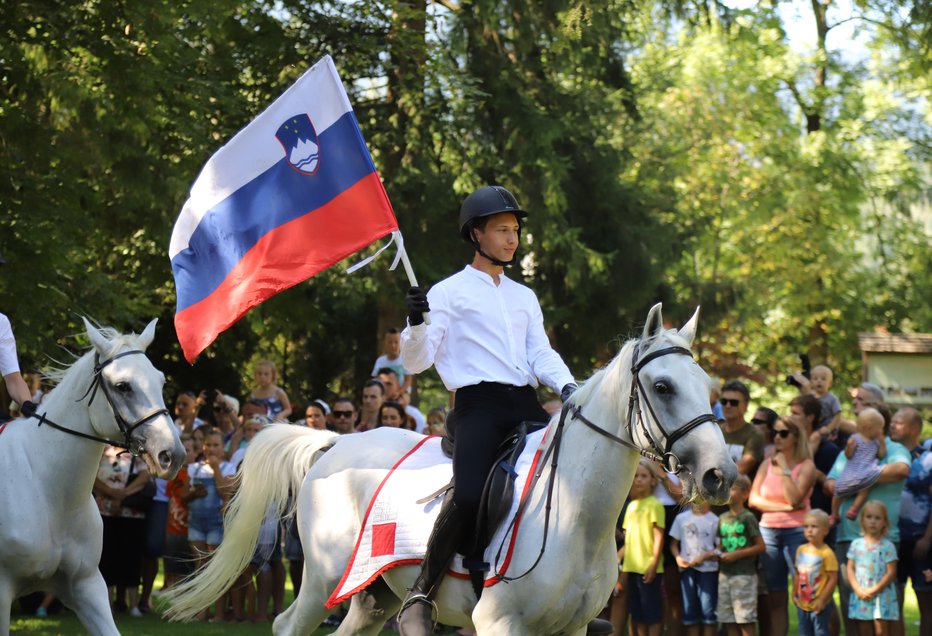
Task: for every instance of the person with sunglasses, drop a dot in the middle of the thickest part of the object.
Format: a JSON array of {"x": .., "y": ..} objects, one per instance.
[
  {"x": 745, "y": 442},
  {"x": 763, "y": 420},
  {"x": 343, "y": 415},
  {"x": 781, "y": 492}
]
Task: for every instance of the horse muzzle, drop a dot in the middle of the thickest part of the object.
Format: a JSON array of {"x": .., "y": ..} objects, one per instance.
[
  {"x": 715, "y": 483},
  {"x": 164, "y": 456}
]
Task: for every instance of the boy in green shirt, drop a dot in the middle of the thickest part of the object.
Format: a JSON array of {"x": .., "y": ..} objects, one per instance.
[{"x": 737, "y": 574}]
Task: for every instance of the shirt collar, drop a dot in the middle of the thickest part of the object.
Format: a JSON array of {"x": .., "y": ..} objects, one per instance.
[{"x": 477, "y": 273}]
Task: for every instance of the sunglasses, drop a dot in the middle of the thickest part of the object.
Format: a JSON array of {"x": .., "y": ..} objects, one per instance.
[
  {"x": 342, "y": 413},
  {"x": 759, "y": 421},
  {"x": 785, "y": 432},
  {"x": 727, "y": 402},
  {"x": 219, "y": 408}
]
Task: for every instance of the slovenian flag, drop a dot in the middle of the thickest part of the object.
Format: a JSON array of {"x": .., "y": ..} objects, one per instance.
[{"x": 290, "y": 195}]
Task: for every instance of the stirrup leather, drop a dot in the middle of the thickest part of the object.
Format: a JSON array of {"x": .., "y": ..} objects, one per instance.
[{"x": 423, "y": 599}]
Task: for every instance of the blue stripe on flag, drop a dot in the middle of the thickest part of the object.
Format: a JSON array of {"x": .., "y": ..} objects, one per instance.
[{"x": 279, "y": 195}]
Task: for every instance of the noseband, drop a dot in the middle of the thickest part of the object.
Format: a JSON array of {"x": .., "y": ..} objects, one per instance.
[
  {"x": 126, "y": 428},
  {"x": 661, "y": 450}
]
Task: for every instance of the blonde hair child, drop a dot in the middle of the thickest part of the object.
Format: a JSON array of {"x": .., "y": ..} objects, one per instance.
[
  {"x": 644, "y": 525},
  {"x": 871, "y": 573},
  {"x": 270, "y": 395}
]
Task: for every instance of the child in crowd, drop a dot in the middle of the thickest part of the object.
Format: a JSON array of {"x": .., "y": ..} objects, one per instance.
[
  {"x": 436, "y": 421},
  {"x": 694, "y": 536},
  {"x": 177, "y": 553},
  {"x": 872, "y": 573},
  {"x": 277, "y": 404},
  {"x": 741, "y": 543},
  {"x": 391, "y": 359},
  {"x": 197, "y": 442},
  {"x": 863, "y": 450},
  {"x": 820, "y": 380},
  {"x": 644, "y": 526},
  {"x": 209, "y": 482},
  {"x": 815, "y": 577}
]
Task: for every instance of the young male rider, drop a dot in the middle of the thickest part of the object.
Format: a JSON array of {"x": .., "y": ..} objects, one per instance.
[{"x": 488, "y": 343}]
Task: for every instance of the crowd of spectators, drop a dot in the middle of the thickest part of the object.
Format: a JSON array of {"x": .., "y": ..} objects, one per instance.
[{"x": 821, "y": 502}]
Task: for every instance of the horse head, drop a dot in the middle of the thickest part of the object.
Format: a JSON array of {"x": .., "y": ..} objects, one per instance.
[
  {"x": 133, "y": 408},
  {"x": 672, "y": 415}
]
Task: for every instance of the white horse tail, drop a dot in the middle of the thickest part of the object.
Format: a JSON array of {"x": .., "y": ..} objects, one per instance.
[{"x": 274, "y": 467}]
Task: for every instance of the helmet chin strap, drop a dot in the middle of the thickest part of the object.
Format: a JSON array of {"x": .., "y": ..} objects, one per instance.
[{"x": 483, "y": 254}]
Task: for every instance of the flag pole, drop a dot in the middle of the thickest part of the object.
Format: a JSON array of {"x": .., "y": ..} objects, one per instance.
[{"x": 412, "y": 280}]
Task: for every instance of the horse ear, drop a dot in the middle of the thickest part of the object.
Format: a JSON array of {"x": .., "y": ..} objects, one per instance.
[
  {"x": 654, "y": 322},
  {"x": 98, "y": 340},
  {"x": 688, "y": 332},
  {"x": 147, "y": 335}
]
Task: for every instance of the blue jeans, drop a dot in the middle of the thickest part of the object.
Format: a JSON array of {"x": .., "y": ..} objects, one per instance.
[
  {"x": 700, "y": 596},
  {"x": 814, "y": 624},
  {"x": 779, "y": 558}
]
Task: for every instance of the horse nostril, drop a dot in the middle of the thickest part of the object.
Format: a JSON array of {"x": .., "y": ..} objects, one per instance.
[
  {"x": 165, "y": 459},
  {"x": 713, "y": 480}
]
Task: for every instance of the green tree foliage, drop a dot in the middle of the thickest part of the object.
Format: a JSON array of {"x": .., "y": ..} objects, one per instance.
[
  {"x": 791, "y": 177},
  {"x": 674, "y": 151}
]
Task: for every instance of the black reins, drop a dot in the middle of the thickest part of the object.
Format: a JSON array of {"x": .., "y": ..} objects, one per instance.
[
  {"x": 663, "y": 454},
  {"x": 128, "y": 443}
]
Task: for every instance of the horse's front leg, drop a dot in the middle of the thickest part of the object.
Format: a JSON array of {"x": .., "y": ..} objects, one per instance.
[
  {"x": 89, "y": 599},
  {"x": 6, "y": 604}
]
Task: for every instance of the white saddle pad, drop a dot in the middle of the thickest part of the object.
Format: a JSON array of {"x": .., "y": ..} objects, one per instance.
[{"x": 396, "y": 528}]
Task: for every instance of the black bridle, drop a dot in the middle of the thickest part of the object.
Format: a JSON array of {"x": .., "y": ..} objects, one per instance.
[
  {"x": 660, "y": 450},
  {"x": 662, "y": 453},
  {"x": 126, "y": 428}
]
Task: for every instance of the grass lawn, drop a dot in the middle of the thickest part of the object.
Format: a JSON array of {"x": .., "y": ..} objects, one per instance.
[{"x": 66, "y": 624}]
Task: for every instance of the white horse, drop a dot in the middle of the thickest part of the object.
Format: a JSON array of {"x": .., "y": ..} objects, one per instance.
[
  {"x": 578, "y": 569},
  {"x": 51, "y": 532}
]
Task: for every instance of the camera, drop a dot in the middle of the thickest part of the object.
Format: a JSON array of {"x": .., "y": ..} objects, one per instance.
[{"x": 804, "y": 360}]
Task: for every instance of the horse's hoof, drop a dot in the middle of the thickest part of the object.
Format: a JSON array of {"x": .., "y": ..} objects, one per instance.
[
  {"x": 417, "y": 617},
  {"x": 598, "y": 627}
]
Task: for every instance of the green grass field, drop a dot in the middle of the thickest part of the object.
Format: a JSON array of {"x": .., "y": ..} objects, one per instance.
[{"x": 65, "y": 624}]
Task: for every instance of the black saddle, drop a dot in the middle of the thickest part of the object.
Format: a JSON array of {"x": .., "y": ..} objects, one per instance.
[{"x": 497, "y": 496}]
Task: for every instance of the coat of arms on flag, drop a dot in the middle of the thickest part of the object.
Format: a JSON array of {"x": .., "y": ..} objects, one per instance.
[{"x": 299, "y": 140}]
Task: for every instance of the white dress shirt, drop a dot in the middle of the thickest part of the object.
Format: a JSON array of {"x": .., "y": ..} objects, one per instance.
[
  {"x": 8, "y": 362},
  {"x": 483, "y": 332}
]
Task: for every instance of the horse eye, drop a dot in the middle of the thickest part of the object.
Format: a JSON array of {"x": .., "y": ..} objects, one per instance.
[
  {"x": 662, "y": 388},
  {"x": 123, "y": 387}
]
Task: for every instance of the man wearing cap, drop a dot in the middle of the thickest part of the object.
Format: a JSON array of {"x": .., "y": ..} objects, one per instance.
[{"x": 487, "y": 341}]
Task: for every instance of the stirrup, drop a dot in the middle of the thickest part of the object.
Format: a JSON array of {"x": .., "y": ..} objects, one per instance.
[{"x": 423, "y": 599}]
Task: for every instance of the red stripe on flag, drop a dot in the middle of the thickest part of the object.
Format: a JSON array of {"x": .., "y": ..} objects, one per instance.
[{"x": 288, "y": 255}]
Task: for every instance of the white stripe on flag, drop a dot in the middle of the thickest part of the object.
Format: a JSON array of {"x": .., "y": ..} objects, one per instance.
[{"x": 255, "y": 149}]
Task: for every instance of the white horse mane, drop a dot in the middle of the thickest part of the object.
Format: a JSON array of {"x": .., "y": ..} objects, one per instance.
[
  {"x": 55, "y": 373},
  {"x": 606, "y": 383}
]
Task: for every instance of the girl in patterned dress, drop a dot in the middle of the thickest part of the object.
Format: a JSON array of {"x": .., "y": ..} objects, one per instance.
[{"x": 871, "y": 573}]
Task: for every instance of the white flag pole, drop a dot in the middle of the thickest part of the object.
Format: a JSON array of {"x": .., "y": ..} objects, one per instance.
[{"x": 412, "y": 280}]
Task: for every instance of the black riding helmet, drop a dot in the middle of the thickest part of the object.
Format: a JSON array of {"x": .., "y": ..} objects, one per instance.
[{"x": 487, "y": 201}]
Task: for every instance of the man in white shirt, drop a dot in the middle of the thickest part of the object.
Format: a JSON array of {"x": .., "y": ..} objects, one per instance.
[
  {"x": 9, "y": 367},
  {"x": 488, "y": 343}
]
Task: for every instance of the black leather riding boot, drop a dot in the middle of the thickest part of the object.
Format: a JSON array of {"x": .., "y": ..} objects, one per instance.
[{"x": 418, "y": 613}]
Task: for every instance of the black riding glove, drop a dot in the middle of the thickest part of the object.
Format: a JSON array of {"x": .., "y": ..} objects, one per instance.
[
  {"x": 568, "y": 390},
  {"x": 28, "y": 408},
  {"x": 416, "y": 301}
]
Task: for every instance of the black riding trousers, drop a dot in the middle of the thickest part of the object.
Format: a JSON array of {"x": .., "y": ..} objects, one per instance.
[{"x": 484, "y": 416}]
